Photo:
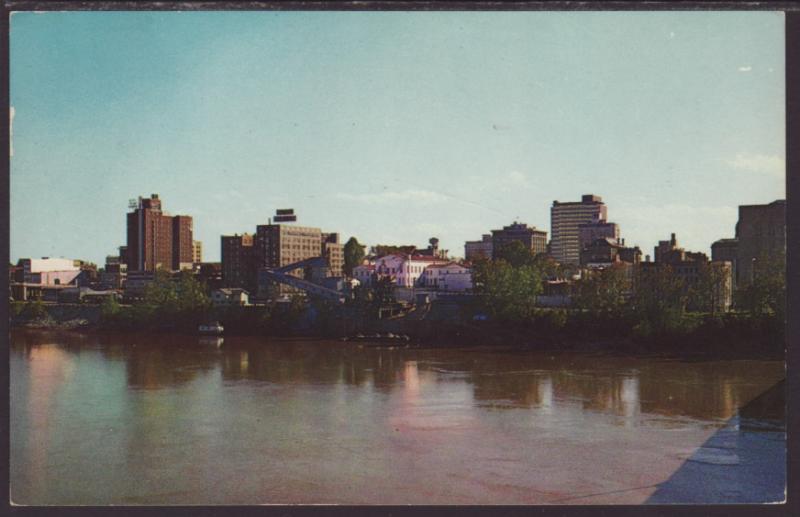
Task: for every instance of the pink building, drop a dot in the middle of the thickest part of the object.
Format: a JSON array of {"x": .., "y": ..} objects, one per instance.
[{"x": 49, "y": 271}]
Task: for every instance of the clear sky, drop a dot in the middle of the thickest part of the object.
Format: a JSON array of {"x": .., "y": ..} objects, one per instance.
[{"x": 391, "y": 126}]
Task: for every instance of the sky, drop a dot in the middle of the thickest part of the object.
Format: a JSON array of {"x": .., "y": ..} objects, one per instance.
[{"x": 391, "y": 126}]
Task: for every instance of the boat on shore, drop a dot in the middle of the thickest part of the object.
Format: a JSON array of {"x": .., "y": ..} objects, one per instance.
[
  {"x": 378, "y": 338},
  {"x": 214, "y": 328}
]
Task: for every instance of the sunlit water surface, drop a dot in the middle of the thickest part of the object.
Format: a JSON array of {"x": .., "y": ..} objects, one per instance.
[{"x": 124, "y": 419}]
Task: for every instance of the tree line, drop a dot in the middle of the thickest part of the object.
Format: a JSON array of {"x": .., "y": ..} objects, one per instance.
[{"x": 640, "y": 300}]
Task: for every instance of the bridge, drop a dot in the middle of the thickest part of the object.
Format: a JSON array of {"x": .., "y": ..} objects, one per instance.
[{"x": 281, "y": 275}]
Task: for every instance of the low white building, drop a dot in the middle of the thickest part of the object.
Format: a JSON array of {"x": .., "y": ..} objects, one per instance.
[
  {"x": 405, "y": 270},
  {"x": 364, "y": 273},
  {"x": 229, "y": 296},
  {"x": 447, "y": 277}
]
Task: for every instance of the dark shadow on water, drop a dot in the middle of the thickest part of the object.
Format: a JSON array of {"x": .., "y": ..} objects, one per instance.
[{"x": 744, "y": 462}]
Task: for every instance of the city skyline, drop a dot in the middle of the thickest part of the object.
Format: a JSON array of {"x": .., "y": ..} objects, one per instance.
[{"x": 391, "y": 127}]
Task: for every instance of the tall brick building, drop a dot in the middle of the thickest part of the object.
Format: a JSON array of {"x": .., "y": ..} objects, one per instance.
[
  {"x": 238, "y": 261},
  {"x": 157, "y": 240}
]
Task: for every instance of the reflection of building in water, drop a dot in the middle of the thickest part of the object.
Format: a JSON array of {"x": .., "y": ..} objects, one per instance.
[
  {"x": 159, "y": 366},
  {"x": 544, "y": 392},
  {"x": 730, "y": 401},
  {"x": 49, "y": 369},
  {"x": 629, "y": 399},
  {"x": 235, "y": 364},
  {"x": 411, "y": 385},
  {"x": 502, "y": 389},
  {"x": 596, "y": 393},
  {"x": 704, "y": 390}
]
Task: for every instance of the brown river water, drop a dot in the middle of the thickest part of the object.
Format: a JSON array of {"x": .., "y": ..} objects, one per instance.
[{"x": 136, "y": 419}]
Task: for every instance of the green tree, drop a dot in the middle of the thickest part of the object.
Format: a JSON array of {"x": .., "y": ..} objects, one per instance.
[
  {"x": 363, "y": 296},
  {"x": 516, "y": 254},
  {"x": 713, "y": 286},
  {"x": 165, "y": 301},
  {"x": 506, "y": 292},
  {"x": 191, "y": 294},
  {"x": 659, "y": 299},
  {"x": 160, "y": 293},
  {"x": 382, "y": 294},
  {"x": 548, "y": 266},
  {"x": 353, "y": 255},
  {"x": 603, "y": 292},
  {"x": 766, "y": 293},
  {"x": 109, "y": 309},
  {"x": 34, "y": 310},
  {"x": 382, "y": 250}
]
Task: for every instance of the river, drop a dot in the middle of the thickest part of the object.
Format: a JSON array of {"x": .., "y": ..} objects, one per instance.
[{"x": 138, "y": 419}]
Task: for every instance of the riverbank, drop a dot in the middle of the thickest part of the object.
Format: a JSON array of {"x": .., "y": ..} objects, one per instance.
[
  {"x": 689, "y": 336},
  {"x": 700, "y": 344}
]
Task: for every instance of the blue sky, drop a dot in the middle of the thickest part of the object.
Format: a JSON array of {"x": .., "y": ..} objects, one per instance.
[{"x": 391, "y": 126}]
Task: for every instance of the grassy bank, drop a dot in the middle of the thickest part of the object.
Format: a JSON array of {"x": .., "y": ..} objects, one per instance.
[{"x": 729, "y": 335}]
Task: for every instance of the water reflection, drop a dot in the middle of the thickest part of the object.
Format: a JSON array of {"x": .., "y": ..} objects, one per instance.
[
  {"x": 626, "y": 387},
  {"x": 188, "y": 414},
  {"x": 216, "y": 341}
]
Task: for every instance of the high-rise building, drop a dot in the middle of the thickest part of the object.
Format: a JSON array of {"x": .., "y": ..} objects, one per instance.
[
  {"x": 588, "y": 233},
  {"x": 333, "y": 251},
  {"x": 182, "y": 243},
  {"x": 761, "y": 235},
  {"x": 279, "y": 245},
  {"x": 533, "y": 239},
  {"x": 238, "y": 261},
  {"x": 197, "y": 252},
  {"x": 479, "y": 249},
  {"x": 565, "y": 220},
  {"x": 157, "y": 240},
  {"x": 210, "y": 274}
]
